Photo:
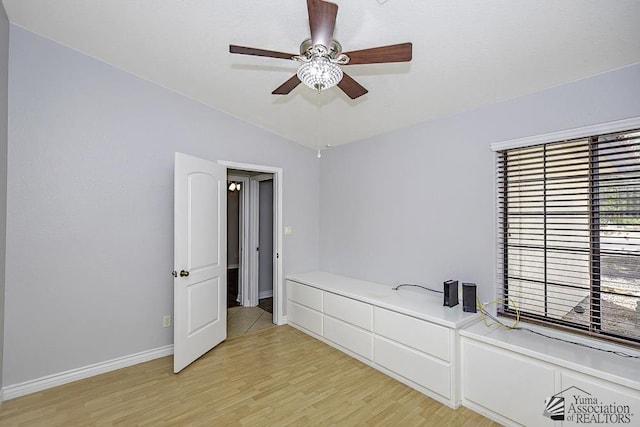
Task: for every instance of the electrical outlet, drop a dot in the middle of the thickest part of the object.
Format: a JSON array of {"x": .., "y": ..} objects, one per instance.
[{"x": 166, "y": 321}]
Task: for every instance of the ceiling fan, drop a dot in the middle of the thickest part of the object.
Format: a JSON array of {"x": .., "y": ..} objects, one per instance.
[{"x": 321, "y": 56}]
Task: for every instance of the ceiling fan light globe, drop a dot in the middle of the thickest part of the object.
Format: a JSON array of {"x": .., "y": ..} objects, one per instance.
[{"x": 320, "y": 74}]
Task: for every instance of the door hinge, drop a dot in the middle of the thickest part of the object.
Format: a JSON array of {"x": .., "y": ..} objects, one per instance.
[{"x": 277, "y": 255}]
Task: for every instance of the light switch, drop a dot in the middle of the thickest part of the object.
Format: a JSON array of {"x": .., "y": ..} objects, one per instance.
[{"x": 288, "y": 230}]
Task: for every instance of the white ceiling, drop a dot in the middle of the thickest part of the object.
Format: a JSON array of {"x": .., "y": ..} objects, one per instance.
[{"x": 465, "y": 53}]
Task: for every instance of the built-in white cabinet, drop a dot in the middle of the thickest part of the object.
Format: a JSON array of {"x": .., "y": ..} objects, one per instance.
[
  {"x": 514, "y": 376},
  {"x": 407, "y": 335}
]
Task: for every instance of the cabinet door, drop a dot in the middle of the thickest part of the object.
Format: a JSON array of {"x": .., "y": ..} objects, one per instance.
[
  {"x": 594, "y": 401},
  {"x": 507, "y": 384}
]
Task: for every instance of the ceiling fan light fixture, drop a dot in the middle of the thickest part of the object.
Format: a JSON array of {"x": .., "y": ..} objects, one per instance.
[
  {"x": 319, "y": 73},
  {"x": 321, "y": 55}
]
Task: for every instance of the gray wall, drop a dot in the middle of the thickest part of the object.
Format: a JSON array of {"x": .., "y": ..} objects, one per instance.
[
  {"x": 90, "y": 205},
  {"x": 417, "y": 205},
  {"x": 4, "y": 73}
]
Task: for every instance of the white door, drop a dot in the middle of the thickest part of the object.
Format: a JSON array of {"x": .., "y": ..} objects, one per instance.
[{"x": 200, "y": 251}]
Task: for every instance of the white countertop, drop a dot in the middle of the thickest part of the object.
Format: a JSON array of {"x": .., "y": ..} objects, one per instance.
[
  {"x": 621, "y": 370},
  {"x": 414, "y": 302}
]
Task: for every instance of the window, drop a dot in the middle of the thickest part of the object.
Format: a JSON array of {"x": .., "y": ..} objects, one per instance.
[{"x": 569, "y": 234}]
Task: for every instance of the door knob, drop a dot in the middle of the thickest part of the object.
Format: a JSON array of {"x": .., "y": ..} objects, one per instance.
[
  {"x": 184, "y": 273},
  {"x": 174, "y": 273}
]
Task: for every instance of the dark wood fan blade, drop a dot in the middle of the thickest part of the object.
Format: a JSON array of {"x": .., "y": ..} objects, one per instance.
[
  {"x": 352, "y": 88},
  {"x": 322, "y": 21},
  {"x": 378, "y": 55},
  {"x": 242, "y": 50},
  {"x": 286, "y": 87}
]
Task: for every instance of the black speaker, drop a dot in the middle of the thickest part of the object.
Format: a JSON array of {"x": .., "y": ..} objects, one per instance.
[
  {"x": 469, "y": 297},
  {"x": 450, "y": 293}
]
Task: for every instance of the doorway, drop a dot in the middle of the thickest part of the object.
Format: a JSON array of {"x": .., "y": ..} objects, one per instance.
[
  {"x": 200, "y": 254},
  {"x": 253, "y": 247}
]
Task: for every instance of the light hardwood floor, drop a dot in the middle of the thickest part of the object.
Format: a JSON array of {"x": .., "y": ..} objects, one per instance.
[{"x": 276, "y": 376}]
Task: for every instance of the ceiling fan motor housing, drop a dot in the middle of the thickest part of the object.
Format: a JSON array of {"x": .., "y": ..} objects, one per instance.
[{"x": 333, "y": 50}]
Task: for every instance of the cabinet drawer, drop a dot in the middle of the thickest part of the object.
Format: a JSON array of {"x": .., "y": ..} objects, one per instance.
[
  {"x": 351, "y": 311},
  {"x": 414, "y": 366},
  {"x": 419, "y": 334},
  {"x": 305, "y": 295},
  {"x": 310, "y": 320},
  {"x": 348, "y": 336}
]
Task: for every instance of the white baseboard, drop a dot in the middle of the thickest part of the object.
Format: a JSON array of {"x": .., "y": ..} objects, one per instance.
[
  {"x": 284, "y": 320},
  {"x": 39, "y": 384},
  {"x": 265, "y": 294}
]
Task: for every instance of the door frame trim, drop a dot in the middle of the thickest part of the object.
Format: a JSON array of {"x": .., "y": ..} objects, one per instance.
[{"x": 278, "y": 282}]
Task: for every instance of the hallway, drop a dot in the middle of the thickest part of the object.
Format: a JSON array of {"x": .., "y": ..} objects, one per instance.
[{"x": 244, "y": 320}]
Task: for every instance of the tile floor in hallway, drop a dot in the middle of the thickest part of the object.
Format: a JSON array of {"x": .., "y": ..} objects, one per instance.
[{"x": 243, "y": 320}]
